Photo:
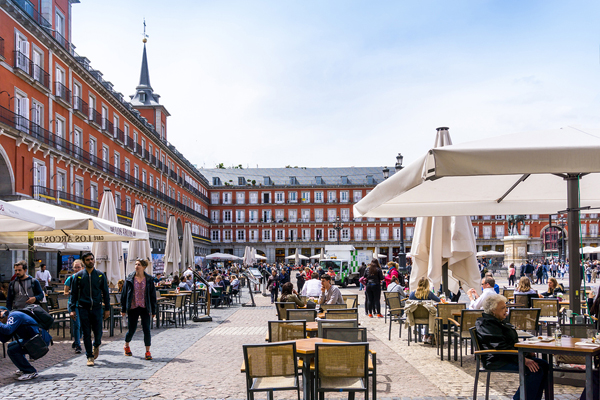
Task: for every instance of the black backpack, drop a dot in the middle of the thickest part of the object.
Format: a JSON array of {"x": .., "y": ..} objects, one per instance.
[{"x": 40, "y": 316}]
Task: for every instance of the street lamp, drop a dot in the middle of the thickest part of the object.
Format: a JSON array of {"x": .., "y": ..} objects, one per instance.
[
  {"x": 338, "y": 226},
  {"x": 402, "y": 254},
  {"x": 562, "y": 223}
]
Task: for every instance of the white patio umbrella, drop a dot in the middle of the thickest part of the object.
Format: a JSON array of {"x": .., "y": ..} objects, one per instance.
[
  {"x": 315, "y": 257},
  {"x": 139, "y": 249},
  {"x": 260, "y": 257},
  {"x": 187, "y": 247},
  {"x": 71, "y": 227},
  {"x": 297, "y": 256},
  {"x": 247, "y": 255},
  {"x": 222, "y": 256},
  {"x": 15, "y": 218},
  {"x": 109, "y": 255},
  {"x": 172, "y": 252},
  {"x": 589, "y": 250},
  {"x": 322, "y": 255},
  {"x": 541, "y": 172}
]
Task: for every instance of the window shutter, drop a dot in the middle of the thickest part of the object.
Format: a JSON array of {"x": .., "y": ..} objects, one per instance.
[{"x": 25, "y": 107}]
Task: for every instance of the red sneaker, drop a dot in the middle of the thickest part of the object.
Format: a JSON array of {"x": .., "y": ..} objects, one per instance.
[
  {"x": 370, "y": 315},
  {"x": 127, "y": 351},
  {"x": 148, "y": 356},
  {"x": 379, "y": 316}
]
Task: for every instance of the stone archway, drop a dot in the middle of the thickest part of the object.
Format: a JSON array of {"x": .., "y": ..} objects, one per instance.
[{"x": 7, "y": 177}]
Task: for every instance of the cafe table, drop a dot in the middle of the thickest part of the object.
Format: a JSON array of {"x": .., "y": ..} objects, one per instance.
[
  {"x": 305, "y": 349},
  {"x": 568, "y": 347}
]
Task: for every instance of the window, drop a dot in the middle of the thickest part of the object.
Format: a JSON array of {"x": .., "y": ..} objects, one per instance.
[
  {"x": 240, "y": 197},
  {"x": 345, "y": 214},
  {"x": 293, "y": 197},
  {"x": 93, "y": 150},
  {"x": 358, "y": 232},
  {"x": 305, "y": 215},
  {"x": 279, "y": 197},
  {"x": 105, "y": 157},
  {"x": 214, "y": 198},
  {"x": 22, "y": 110},
  {"x": 60, "y": 183},
  {"x": 240, "y": 215},
  {"x": 126, "y": 135},
  {"x": 332, "y": 235},
  {"x": 227, "y": 235},
  {"x": 344, "y": 196},
  {"x": 357, "y": 195},
  {"x": 266, "y": 198},
  {"x": 214, "y": 216},
  {"x": 476, "y": 232},
  {"x": 331, "y": 196},
  {"x": 91, "y": 106},
  {"x": 266, "y": 235},
  {"x": 60, "y": 128},
  {"x": 253, "y": 235},
  {"x": 318, "y": 197},
  {"x": 94, "y": 192},
  {"x": 292, "y": 235},
  {"x": 525, "y": 229},
  {"x": 371, "y": 232},
  {"x": 227, "y": 198},
  {"x": 593, "y": 230},
  {"x": 306, "y": 235},
  {"x": 136, "y": 172},
  {"x": 384, "y": 233},
  {"x": 279, "y": 235},
  {"x": 253, "y": 197},
  {"x": 410, "y": 231},
  {"x": 128, "y": 204},
  {"x": 214, "y": 236},
  {"x": 104, "y": 118},
  {"x": 22, "y": 61},
  {"x": 38, "y": 65},
  {"x": 267, "y": 216},
  {"x": 118, "y": 201},
  {"x": 499, "y": 231},
  {"x": 319, "y": 234},
  {"x": 59, "y": 27},
  {"x": 487, "y": 232},
  {"x": 331, "y": 214},
  {"x": 345, "y": 234},
  {"x": 39, "y": 177},
  {"x": 319, "y": 215},
  {"x": 241, "y": 235},
  {"x": 279, "y": 216},
  {"x": 253, "y": 216},
  {"x": 306, "y": 197},
  {"x": 144, "y": 148},
  {"x": 292, "y": 215}
]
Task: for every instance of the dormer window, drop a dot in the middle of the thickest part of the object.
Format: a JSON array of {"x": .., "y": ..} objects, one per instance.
[
  {"x": 370, "y": 180},
  {"x": 142, "y": 97},
  {"x": 319, "y": 180},
  {"x": 216, "y": 181},
  {"x": 345, "y": 180}
]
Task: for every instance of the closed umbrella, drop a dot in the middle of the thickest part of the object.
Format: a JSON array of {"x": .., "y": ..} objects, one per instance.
[
  {"x": 254, "y": 256},
  {"x": 172, "y": 252},
  {"x": 187, "y": 247},
  {"x": 297, "y": 257},
  {"x": 109, "y": 255},
  {"x": 139, "y": 249}
]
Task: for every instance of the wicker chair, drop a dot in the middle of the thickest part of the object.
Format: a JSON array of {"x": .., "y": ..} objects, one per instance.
[
  {"x": 421, "y": 318},
  {"x": 574, "y": 331},
  {"x": 281, "y": 331},
  {"x": 524, "y": 300},
  {"x": 445, "y": 311},
  {"x": 341, "y": 367},
  {"x": 549, "y": 314},
  {"x": 299, "y": 314},
  {"x": 335, "y": 323},
  {"x": 479, "y": 368},
  {"x": 508, "y": 293},
  {"x": 524, "y": 319},
  {"x": 282, "y": 309},
  {"x": 327, "y": 307},
  {"x": 352, "y": 335},
  {"x": 461, "y": 331},
  {"x": 395, "y": 310},
  {"x": 351, "y": 300},
  {"x": 176, "y": 310},
  {"x": 271, "y": 367},
  {"x": 342, "y": 313}
]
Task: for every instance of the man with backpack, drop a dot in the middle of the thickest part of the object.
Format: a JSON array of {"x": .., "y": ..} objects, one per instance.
[
  {"x": 89, "y": 289},
  {"x": 23, "y": 290},
  {"x": 29, "y": 339}
]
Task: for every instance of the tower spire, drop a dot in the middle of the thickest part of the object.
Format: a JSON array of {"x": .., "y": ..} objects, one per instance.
[{"x": 144, "y": 95}]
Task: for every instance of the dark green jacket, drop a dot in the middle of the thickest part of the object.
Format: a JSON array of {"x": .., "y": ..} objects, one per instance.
[{"x": 89, "y": 291}]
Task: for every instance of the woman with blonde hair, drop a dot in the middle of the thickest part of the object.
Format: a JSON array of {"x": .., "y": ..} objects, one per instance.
[
  {"x": 524, "y": 286},
  {"x": 423, "y": 292},
  {"x": 554, "y": 288}
]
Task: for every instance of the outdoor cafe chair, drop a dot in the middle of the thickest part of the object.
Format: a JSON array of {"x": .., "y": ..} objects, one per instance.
[
  {"x": 282, "y": 308},
  {"x": 445, "y": 311},
  {"x": 567, "y": 363},
  {"x": 480, "y": 367},
  {"x": 421, "y": 318},
  {"x": 227, "y": 296},
  {"x": 461, "y": 330},
  {"x": 306, "y": 314},
  {"x": 549, "y": 311},
  {"x": 523, "y": 300},
  {"x": 342, "y": 313},
  {"x": 508, "y": 293},
  {"x": 341, "y": 367},
  {"x": 175, "y": 310},
  {"x": 525, "y": 319},
  {"x": 271, "y": 367},
  {"x": 281, "y": 331},
  {"x": 351, "y": 300},
  {"x": 335, "y": 323},
  {"x": 327, "y": 307},
  {"x": 395, "y": 311}
]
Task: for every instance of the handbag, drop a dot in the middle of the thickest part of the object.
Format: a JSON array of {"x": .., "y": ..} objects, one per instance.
[
  {"x": 36, "y": 347},
  {"x": 363, "y": 280}
]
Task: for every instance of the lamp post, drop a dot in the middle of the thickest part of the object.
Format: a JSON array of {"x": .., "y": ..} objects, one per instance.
[
  {"x": 338, "y": 226},
  {"x": 562, "y": 223}
]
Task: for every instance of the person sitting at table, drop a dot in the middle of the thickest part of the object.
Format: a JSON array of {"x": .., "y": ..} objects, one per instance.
[
  {"x": 487, "y": 284},
  {"x": 175, "y": 282},
  {"x": 524, "y": 286},
  {"x": 312, "y": 287},
  {"x": 158, "y": 278},
  {"x": 395, "y": 287},
  {"x": 184, "y": 285},
  {"x": 235, "y": 285},
  {"x": 496, "y": 287},
  {"x": 554, "y": 288},
  {"x": 496, "y": 334},
  {"x": 421, "y": 294},
  {"x": 290, "y": 295},
  {"x": 120, "y": 284},
  {"x": 330, "y": 294}
]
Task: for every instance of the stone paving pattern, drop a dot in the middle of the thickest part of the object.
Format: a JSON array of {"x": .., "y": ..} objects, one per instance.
[{"x": 202, "y": 361}]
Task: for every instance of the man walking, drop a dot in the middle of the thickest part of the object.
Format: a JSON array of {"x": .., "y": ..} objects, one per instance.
[
  {"x": 89, "y": 290},
  {"x": 75, "y": 326},
  {"x": 43, "y": 275},
  {"x": 23, "y": 290}
]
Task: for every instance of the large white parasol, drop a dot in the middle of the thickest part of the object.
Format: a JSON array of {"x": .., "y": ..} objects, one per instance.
[
  {"x": 139, "y": 249},
  {"x": 109, "y": 255}
]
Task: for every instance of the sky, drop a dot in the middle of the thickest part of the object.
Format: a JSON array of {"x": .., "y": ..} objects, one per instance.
[{"x": 348, "y": 83}]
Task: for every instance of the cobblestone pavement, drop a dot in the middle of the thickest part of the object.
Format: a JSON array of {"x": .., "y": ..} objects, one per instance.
[{"x": 202, "y": 361}]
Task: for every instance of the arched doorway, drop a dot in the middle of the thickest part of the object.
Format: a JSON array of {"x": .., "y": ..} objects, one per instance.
[{"x": 7, "y": 177}]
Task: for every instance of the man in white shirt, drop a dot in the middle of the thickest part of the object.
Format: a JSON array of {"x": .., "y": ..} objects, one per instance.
[
  {"x": 43, "y": 275},
  {"x": 487, "y": 284},
  {"x": 312, "y": 287},
  {"x": 189, "y": 274}
]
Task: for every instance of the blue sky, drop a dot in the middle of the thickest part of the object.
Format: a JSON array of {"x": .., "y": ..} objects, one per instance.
[{"x": 348, "y": 83}]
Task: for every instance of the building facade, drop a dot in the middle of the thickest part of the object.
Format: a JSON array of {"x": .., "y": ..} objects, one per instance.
[{"x": 66, "y": 135}]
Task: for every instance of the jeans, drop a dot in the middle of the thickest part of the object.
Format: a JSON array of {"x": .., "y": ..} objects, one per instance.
[
  {"x": 132, "y": 320},
  {"x": 511, "y": 280},
  {"x": 76, "y": 329},
  {"x": 274, "y": 294},
  {"x": 373, "y": 298},
  {"x": 536, "y": 381},
  {"x": 17, "y": 354},
  {"x": 91, "y": 321}
]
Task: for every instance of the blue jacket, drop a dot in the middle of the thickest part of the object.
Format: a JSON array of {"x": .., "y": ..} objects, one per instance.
[
  {"x": 23, "y": 326},
  {"x": 38, "y": 293}
]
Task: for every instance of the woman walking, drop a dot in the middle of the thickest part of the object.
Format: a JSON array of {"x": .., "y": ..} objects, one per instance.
[
  {"x": 511, "y": 275},
  {"x": 138, "y": 300},
  {"x": 374, "y": 277},
  {"x": 273, "y": 285}
]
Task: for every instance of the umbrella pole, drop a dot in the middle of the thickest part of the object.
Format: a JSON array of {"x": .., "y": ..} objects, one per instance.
[
  {"x": 573, "y": 242},
  {"x": 445, "y": 281},
  {"x": 31, "y": 254}
]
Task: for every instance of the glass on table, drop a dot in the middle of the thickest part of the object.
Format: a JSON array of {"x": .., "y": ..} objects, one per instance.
[{"x": 592, "y": 335}]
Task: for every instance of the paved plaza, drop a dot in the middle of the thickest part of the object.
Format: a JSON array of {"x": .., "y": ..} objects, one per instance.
[{"x": 202, "y": 361}]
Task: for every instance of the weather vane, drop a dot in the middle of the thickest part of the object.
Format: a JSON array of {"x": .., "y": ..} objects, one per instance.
[{"x": 145, "y": 36}]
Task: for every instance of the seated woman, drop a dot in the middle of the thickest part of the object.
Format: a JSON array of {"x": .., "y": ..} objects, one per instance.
[
  {"x": 184, "y": 285},
  {"x": 289, "y": 295},
  {"x": 495, "y": 334},
  {"x": 424, "y": 293},
  {"x": 554, "y": 288},
  {"x": 395, "y": 286},
  {"x": 524, "y": 286},
  {"x": 235, "y": 285},
  {"x": 175, "y": 282}
]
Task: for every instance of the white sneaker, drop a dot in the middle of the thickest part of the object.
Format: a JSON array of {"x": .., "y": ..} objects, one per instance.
[
  {"x": 26, "y": 377},
  {"x": 18, "y": 372}
]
